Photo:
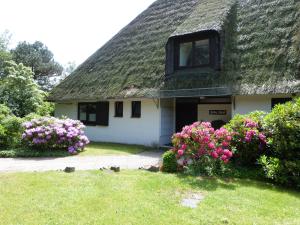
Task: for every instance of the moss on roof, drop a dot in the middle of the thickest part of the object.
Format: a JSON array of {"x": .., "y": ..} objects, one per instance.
[
  {"x": 261, "y": 52},
  {"x": 207, "y": 15}
]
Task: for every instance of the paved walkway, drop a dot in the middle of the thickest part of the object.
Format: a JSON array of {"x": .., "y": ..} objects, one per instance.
[{"x": 80, "y": 162}]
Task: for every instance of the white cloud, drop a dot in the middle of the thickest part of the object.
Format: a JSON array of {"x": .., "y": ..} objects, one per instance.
[{"x": 72, "y": 29}]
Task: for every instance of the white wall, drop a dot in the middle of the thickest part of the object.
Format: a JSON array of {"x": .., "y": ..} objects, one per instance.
[
  {"x": 144, "y": 130},
  {"x": 167, "y": 122},
  {"x": 247, "y": 104},
  {"x": 203, "y": 112}
]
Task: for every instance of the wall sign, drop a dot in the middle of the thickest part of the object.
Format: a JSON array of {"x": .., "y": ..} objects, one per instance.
[{"x": 217, "y": 112}]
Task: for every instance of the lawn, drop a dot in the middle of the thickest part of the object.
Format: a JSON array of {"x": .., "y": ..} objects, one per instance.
[
  {"x": 139, "y": 197},
  {"x": 93, "y": 149}
]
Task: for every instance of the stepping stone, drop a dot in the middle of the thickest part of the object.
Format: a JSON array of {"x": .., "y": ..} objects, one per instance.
[
  {"x": 192, "y": 201},
  {"x": 115, "y": 169},
  {"x": 69, "y": 169}
]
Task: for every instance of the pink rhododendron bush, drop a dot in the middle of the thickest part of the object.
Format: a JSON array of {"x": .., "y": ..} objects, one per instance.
[
  {"x": 49, "y": 133},
  {"x": 249, "y": 139},
  {"x": 203, "y": 149}
]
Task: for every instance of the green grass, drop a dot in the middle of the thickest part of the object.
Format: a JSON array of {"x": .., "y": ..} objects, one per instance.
[
  {"x": 138, "y": 197},
  {"x": 93, "y": 149}
]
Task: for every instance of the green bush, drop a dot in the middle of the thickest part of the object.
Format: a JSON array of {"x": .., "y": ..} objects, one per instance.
[
  {"x": 283, "y": 127},
  {"x": 206, "y": 166},
  {"x": 282, "y": 163},
  {"x": 249, "y": 140},
  {"x": 10, "y": 128},
  {"x": 169, "y": 162},
  {"x": 46, "y": 109}
]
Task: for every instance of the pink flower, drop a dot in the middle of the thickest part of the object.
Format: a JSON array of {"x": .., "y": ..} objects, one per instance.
[
  {"x": 211, "y": 145},
  {"x": 225, "y": 144},
  {"x": 228, "y": 138},
  {"x": 220, "y": 151},
  {"x": 206, "y": 139},
  {"x": 180, "y": 152},
  {"x": 183, "y": 147},
  {"x": 214, "y": 154},
  {"x": 227, "y": 153},
  {"x": 224, "y": 157}
]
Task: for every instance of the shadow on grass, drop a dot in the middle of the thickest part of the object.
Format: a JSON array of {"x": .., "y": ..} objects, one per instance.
[{"x": 237, "y": 177}]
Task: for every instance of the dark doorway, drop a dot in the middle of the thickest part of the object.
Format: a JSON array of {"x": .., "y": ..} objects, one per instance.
[{"x": 186, "y": 112}]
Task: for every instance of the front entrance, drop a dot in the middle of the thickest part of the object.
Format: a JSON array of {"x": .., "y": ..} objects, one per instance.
[
  {"x": 216, "y": 110},
  {"x": 186, "y": 112}
]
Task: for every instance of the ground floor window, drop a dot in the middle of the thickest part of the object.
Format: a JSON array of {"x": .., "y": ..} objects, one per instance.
[
  {"x": 94, "y": 113},
  {"x": 136, "y": 109},
  {"x": 276, "y": 101},
  {"x": 118, "y": 109}
]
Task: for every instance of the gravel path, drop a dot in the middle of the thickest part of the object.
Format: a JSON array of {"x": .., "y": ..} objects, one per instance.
[{"x": 80, "y": 163}]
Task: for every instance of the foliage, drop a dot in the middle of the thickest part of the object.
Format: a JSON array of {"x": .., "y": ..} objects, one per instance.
[
  {"x": 10, "y": 128},
  {"x": 283, "y": 128},
  {"x": 49, "y": 133},
  {"x": 19, "y": 91},
  {"x": 200, "y": 146},
  {"x": 286, "y": 172},
  {"x": 249, "y": 139},
  {"x": 46, "y": 109},
  {"x": 4, "y": 53},
  {"x": 31, "y": 153},
  {"x": 169, "y": 162},
  {"x": 40, "y": 59}
]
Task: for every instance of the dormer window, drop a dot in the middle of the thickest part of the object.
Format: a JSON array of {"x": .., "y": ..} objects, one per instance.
[{"x": 194, "y": 53}]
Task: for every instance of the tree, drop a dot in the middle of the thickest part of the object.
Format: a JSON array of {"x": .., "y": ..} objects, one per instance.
[
  {"x": 4, "y": 53},
  {"x": 40, "y": 59},
  {"x": 19, "y": 91}
]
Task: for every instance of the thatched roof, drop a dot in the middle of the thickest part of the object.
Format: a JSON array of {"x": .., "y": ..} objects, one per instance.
[{"x": 261, "y": 51}]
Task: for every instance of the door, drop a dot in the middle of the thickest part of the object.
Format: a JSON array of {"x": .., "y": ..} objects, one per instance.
[{"x": 186, "y": 113}]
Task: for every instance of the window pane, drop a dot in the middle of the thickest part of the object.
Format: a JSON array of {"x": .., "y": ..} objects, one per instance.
[
  {"x": 118, "y": 109},
  {"x": 92, "y": 117},
  {"x": 202, "y": 52},
  {"x": 82, "y": 112},
  {"x": 185, "y": 55},
  {"x": 92, "y": 112},
  {"x": 136, "y": 109}
]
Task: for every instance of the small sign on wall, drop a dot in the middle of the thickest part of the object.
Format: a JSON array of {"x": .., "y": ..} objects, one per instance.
[{"x": 217, "y": 112}]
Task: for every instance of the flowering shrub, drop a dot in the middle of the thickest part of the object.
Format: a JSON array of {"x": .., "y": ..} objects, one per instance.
[
  {"x": 200, "y": 144},
  {"x": 249, "y": 140},
  {"x": 52, "y": 133}
]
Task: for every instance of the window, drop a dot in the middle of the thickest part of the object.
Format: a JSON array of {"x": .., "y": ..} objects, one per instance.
[
  {"x": 136, "y": 109},
  {"x": 194, "y": 53},
  {"x": 276, "y": 101},
  {"x": 118, "y": 109},
  {"x": 95, "y": 113}
]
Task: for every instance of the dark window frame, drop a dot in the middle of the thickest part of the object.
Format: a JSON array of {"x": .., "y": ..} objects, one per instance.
[
  {"x": 87, "y": 122},
  {"x": 214, "y": 50},
  {"x": 136, "y": 110},
  {"x": 194, "y": 54},
  {"x": 119, "y": 114},
  {"x": 102, "y": 113}
]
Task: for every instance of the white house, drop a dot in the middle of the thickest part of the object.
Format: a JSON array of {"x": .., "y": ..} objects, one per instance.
[{"x": 183, "y": 61}]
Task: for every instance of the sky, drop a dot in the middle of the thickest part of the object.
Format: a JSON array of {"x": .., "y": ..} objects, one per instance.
[{"x": 72, "y": 29}]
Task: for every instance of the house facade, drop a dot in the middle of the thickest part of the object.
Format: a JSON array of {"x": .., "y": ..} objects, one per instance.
[{"x": 183, "y": 61}]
